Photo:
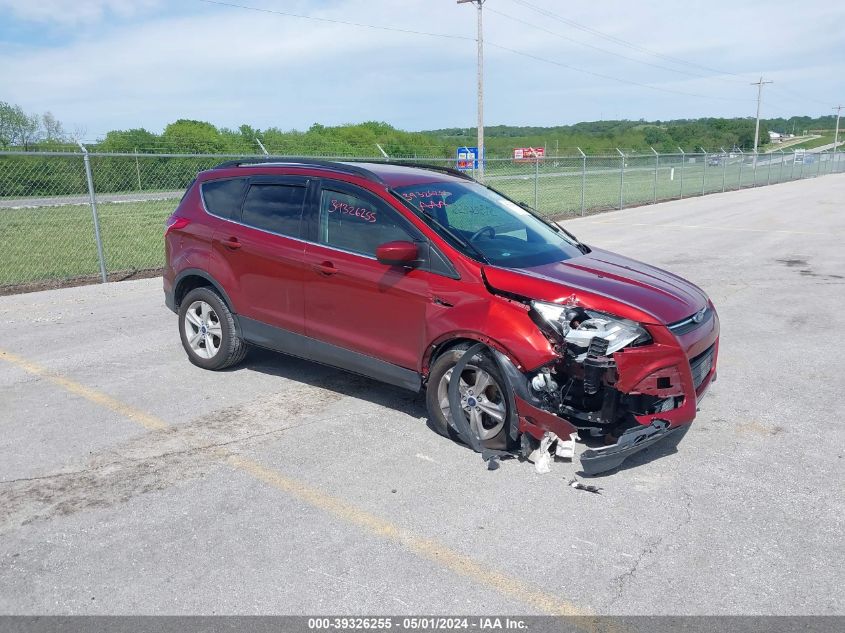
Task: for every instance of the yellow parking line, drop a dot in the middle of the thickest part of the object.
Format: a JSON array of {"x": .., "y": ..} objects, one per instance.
[
  {"x": 136, "y": 415},
  {"x": 425, "y": 548}
]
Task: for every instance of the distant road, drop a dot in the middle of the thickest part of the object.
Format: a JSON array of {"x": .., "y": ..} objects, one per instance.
[
  {"x": 56, "y": 201},
  {"x": 824, "y": 148}
]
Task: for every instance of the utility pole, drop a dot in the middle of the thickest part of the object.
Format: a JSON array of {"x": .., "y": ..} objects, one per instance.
[
  {"x": 836, "y": 135},
  {"x": 480, "y": 88},
  {"x": 759, "y": 85}
]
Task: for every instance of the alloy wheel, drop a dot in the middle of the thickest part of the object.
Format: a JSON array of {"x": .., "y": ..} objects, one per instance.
[
  {"x": 203, "y": 330},
  {"x": 482, "y": 400}
]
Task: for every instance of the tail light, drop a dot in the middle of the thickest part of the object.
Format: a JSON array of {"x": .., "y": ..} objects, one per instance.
[{"x": 174, "y": 223}]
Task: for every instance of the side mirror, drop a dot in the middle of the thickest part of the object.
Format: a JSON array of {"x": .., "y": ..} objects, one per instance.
[{"x": 398, "y": 253}]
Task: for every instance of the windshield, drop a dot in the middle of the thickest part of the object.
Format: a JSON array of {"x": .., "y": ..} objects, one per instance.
[{"x": 487, "y": 224}]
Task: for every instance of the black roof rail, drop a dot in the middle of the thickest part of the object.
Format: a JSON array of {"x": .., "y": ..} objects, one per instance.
[
  {"x": 445, "y": 170},
  {"x": 289, "y": 161}
]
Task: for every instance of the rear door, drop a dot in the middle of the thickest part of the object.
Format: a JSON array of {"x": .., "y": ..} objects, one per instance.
[
  {"x": 258, "y": 255},
  {"x": 352, "y": 300}
]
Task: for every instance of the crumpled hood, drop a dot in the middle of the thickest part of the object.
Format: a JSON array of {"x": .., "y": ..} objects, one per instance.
[{"x": 603, "y": 280}]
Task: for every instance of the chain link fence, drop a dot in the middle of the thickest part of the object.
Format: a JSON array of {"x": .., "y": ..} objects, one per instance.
[{"x": 55, "y": 230}]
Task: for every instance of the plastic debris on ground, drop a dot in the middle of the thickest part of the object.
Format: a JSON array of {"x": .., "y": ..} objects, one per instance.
[
  {"x": 588, "y": 487},
  {"x": 552, "y": 447}
]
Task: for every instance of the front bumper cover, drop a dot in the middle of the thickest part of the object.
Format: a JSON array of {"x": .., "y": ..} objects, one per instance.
[{"x": 599, "y": 460}]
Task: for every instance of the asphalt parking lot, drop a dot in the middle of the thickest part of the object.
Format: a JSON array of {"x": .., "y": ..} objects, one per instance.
[{"x": 133, "y": 482}]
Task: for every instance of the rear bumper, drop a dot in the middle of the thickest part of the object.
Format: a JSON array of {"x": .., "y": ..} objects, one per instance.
[{"x": 169, "y": 295}]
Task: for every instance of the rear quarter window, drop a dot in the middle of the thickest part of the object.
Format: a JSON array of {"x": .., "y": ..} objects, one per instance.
[{"x": 223, "y": 197}]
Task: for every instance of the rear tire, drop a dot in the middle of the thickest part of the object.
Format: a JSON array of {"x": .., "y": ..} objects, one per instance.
[
  {"x": 482, "y": 385},
  {"x": 207, "y": 330}
]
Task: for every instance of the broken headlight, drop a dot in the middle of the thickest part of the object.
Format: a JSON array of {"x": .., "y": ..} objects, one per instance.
[{"x": 578, "y": 326}]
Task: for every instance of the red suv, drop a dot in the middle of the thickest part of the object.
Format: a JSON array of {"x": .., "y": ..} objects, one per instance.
[{"x": 406, "y": 273}]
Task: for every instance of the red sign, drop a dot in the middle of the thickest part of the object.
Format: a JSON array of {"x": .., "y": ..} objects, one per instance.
[{"x": 528, "y": 154}]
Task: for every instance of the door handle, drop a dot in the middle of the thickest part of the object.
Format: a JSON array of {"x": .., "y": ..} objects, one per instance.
[
  {"x": 325, "y": 268},
  {"x": 232, "y": 243}
]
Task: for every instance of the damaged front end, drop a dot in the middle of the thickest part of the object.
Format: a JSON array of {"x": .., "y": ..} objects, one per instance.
[{"x": 621, "y": 385}]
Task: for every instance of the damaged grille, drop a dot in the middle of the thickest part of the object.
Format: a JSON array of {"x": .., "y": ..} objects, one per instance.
[
  {"x": 689, "y": 324},
  {"x": 701, "y": 366}
]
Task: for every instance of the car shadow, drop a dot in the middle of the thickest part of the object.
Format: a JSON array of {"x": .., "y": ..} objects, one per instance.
[
  {"x": 333, "y": 379},
  {"x": 401, "y": 400}
]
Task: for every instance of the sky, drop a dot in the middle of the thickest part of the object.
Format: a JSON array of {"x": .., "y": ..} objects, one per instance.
[{"x": 99, "y": 65}]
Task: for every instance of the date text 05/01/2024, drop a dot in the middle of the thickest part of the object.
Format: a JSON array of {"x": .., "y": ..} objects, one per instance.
[{"x": 416, "y": 623}]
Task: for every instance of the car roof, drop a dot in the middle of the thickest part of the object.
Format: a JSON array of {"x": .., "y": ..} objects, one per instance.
[
  {"x": 390, "y": 174},
  {"x": 398, "y": 175}
]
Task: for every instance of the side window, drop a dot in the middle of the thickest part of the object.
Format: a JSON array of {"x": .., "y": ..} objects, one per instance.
[
  {"x": 356, "y": 224},
  {"x": 274, "y": 208},
  {"x": 223, "y": 197}
]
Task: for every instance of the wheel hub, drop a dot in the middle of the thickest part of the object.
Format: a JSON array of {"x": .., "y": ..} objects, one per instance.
[{"x": 481, "y": 400}]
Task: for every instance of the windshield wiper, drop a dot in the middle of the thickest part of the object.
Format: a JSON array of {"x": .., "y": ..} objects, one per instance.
[
  {"x": 556, "y": 227},
  {"x": 578, "y": 243}
]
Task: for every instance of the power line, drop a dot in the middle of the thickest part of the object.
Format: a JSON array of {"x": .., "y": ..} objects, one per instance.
[
  {"x": 344, "y": 22},
  {"x": 799, "y": 97},
  {"x": 465, "y": 38},
  {"x": 619, "y": 41},
  {"x": 610, "y": 52},
  {"x": 610, "y": 77}
]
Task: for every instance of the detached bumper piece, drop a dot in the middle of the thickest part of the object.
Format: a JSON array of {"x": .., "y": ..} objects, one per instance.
[{"x": 599, "y": 460}]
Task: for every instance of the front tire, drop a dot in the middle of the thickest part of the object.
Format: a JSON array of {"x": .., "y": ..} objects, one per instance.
[
  {"x": 483, "y": 396},
  {"x": 208, "y": 332}
]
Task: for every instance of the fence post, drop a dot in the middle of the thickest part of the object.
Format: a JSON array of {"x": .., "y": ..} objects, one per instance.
[
  {"x": 803, "y": 160},
  {"x": 792, "y": 169},
  {"x": 756, "y": 154},
  {"x": 780, "y": 171},
  {"x": 683, "y": 169},
  {"x": 819, "y": 169},
  {"x": 94, "y": 214},
  {"x": 724, "y": 166},
  {"x": 583, "y": 177},
  {"x": 656, "y": 167},
  {"x": 741, "y": 163},
  {"x": 536, "y": 180},
  {"x": 621, "y": 178},
  {"x": 704, "y": 172},
  {"x": 137, "y": 169},
  {"x": 769, "y": 171}
]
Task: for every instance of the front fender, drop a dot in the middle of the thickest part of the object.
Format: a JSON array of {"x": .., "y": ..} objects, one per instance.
[{"x": 501, "y": 324}]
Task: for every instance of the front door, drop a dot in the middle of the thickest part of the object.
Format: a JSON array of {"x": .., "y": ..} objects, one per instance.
[{"x": 351, "y": 300}]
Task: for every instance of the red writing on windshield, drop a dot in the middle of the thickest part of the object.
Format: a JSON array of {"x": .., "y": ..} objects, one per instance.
[
  {"x": 411, "y": 195},
  {"x": 440, "y": 204},
  {"x": 351, "y": 210}
]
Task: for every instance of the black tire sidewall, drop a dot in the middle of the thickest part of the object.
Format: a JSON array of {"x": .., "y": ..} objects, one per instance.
[
  {"x": 443, "y": 364},
  {"x": 222, "y": 358}
]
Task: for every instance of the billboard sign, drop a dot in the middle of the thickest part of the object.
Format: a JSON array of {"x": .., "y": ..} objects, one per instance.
[{"x": 528, "y": 154}]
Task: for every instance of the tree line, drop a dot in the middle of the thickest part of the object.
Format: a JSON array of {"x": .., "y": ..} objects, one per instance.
[{"x": 25, "y": 131}]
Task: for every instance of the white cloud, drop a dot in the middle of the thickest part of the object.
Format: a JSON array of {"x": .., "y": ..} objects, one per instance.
[
  {"x": 233, "y": 66},
  {"x": 73, "y": 12}
]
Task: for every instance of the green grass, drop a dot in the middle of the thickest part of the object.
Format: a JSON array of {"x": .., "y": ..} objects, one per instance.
[
  {"x": 56, "y": 243},
  {"x": 49, "y": 243}
]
